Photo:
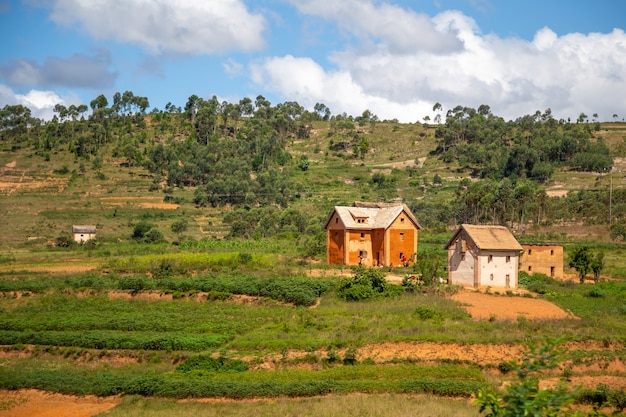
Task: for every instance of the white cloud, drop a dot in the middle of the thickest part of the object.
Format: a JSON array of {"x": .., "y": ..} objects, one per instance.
[
  {"x": 397, "y": 29},
  {"x": 305, "y": 81},
  {"x": 232, "y": 67},
  {"x": 570, "y": 74},
  {"x": 39, "y": 102},
  {"x": 184, "y": 26}
]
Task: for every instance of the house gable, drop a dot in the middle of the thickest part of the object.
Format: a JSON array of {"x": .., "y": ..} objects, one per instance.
[{"x": 371, "y": 234}]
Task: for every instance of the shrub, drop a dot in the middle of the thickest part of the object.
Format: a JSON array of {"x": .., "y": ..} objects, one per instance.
[
  {"x": 596, "y": 292},
  {"x": 134, "y": 284},
  {"x": 427, "y": 313},
  {"x": 506, "y": 367},
  {"x": 365, "y": 284},
  {"x": 210, "y": 364},
  {"x": 349, "y": 358},
  {"x": 64, "y": 241},
  {"x": 523, "y": 397}
]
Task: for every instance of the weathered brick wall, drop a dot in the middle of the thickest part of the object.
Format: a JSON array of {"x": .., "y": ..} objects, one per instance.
[{"x": 543, "y": 259}]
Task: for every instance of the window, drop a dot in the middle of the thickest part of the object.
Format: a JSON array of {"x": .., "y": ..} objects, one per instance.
[
  {"x": 491, "y": 277},
  {"x": 530, "y": 251},
  {"x": 336, "y": 235},
  {"x": 401, "y": 236},
  {"x": 362, "y": 235},
  {"x": 551, "y": 252},
  {"x": 401, "y": 255},
  {"x": 552, "y": 271},
  {"x": 508, "y": 259},
  {"x": 336, "y": 219},
  {"x": 401, "y": 219},
  {"x": 530, "y": 268},
  {"x": 490, "y": 258},
  {"x": 463, "y": 256}
]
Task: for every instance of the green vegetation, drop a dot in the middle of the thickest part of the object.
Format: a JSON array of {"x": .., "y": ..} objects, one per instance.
[
  {"x": 350, "y": 405},
  {"x": 207, "y": 277}
]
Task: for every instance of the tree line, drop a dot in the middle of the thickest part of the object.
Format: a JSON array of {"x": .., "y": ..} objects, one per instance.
[{"x": 236, "y": 154}]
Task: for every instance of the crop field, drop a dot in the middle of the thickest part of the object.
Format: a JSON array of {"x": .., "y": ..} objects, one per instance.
[
  {"x": 202, "y": 321},
  {"x": 236, "y": 322}
]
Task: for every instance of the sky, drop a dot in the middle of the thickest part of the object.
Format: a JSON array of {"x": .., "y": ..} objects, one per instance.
[{"x": 394, "y": 58}]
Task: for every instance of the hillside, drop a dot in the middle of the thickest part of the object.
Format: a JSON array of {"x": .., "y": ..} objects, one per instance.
[
  {"x": 46, "y": 191},
  {"x": 207, "y": 278}
]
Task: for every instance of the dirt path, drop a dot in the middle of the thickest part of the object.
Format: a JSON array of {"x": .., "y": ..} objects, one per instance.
[
  {"x": 31, "y": 403},
  {"x": 494, "y": 307}
]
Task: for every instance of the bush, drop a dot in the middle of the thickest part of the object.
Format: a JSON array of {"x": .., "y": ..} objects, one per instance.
[
  {"x": 147, "y": 232},
  {"x": 210, "y": 364},
  {"x": 134, "y": 284},
  {"x": 596, "y": 292},
  {"x": 523, "y": 397},
  {"x": 427, "y": 313},
  {"x": 365, "y": 284},
  {"x": 537, "y": 283}
]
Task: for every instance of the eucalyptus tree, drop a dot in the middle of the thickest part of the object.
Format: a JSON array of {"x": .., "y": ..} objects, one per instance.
[{"x": 15, "y": 121}]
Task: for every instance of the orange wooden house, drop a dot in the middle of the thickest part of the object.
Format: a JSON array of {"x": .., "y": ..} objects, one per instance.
[{"x": 371, "y": 234}]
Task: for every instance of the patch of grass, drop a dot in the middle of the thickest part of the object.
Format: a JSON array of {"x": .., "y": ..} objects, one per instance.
[{"x": 350, "y": 405}]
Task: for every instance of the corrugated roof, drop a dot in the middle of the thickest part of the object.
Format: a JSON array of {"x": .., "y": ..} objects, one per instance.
[{"x": 488, "y": 237}]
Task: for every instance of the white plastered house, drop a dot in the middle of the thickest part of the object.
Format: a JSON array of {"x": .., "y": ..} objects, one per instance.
[{"x": 480, "y": 256}]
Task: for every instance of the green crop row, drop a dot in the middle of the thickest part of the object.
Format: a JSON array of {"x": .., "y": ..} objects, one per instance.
[
  {"x": 298, "y": 290},
  {"x": 105, "y": 383},
  {"x": 113, "y": 340},
  {"x": 261, "y": 245}
]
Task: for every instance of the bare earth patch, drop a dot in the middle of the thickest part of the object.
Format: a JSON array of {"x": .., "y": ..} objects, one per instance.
[
  {"x": 31, "y": 403},
  {"x": 65, "y": 268},
  {"x": 143, "y": 202},
  {"x": 485, "y": 306}
]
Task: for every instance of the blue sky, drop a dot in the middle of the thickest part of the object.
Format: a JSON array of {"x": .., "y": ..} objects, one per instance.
[{"x": 395, "y": 58}]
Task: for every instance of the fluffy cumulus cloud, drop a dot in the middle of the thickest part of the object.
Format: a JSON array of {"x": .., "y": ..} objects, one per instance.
[
  {"x": 185, "y": 26},
  {"x": 399, "y": 70},
  {"x": 39, "y": 102},
  {"x": 79, "y": 71},
  {"x": 305, "y": 81},
  {"x": 388, "y": 26}
]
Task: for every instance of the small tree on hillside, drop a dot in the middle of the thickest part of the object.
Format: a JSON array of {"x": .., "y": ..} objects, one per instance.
[
  {"x": 581, "y": 260},
  {"x": 597, "y": 265},
  {"x": 179, "y": 226}
]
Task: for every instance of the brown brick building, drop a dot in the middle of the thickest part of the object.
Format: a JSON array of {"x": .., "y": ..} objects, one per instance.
[
  {"x": 543, "y": 259},
  {"x": 371, "y": 234}
]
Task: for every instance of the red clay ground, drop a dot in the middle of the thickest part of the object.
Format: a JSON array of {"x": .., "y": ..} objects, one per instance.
[
  {"x": 496, "y": 307},
  {"x": 34, "y": 403}
]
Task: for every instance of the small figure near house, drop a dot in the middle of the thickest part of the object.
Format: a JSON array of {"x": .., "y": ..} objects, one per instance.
[{"x": 390, "y": 267}]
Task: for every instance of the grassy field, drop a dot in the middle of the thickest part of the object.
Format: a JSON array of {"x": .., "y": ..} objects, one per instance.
[
  {"x": 382, "y": 405},
  {"x": 251, "y": 320}
]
